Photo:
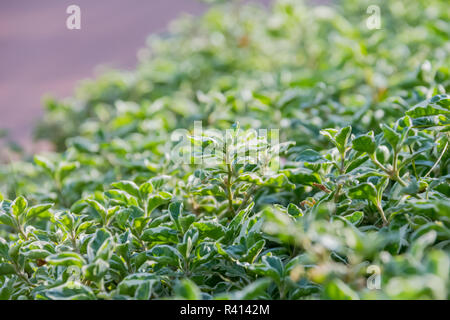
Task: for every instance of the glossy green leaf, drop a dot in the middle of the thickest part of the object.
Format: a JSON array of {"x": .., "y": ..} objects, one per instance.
[{"x": 364, "y": 143}]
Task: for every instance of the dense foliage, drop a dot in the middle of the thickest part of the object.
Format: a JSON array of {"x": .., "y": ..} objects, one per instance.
[{"x": 360, "y": 188}]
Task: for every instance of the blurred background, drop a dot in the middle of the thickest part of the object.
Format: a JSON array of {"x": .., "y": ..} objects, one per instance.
[{"x": 39, "y": 55}]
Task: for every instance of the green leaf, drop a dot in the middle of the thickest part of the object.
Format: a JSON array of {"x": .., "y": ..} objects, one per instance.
[
  {"x": 439, "y": 104},
  {"x": 274, "y": 263},
  {"x": 96, "y": 270},
  {"x": 98, "y": 207},
  {"x": 7, "y": 289},
  {"x": 338, "y": 290},
  {"x": 338, "y": 137},
  {"x": 310, "y": 156},
  {"x": 175, "y": 210},
  {"x": 365, "y": 143},
  {"x": 190, "y": 240},
  {"x": 83, "y": 145},
  {"x": 187, "y": 290},
  {"x": 128, "y": 186},
  {"x": 45, "y": 164},
  {"x": 364, "y": 191},
  {"x": 254, "y": 251},
  {"x": 294, "y": 211},
  {"x": 14, "y": 250},
  {"x": 157, "y": 200},
  {"x": 146, "y": 188},
  {"x": 302, "y": 176},
  {"x": 138, "y": 286},
  {"x": 165, "y": 255},
  {"x": 272, "y": 267},
  {"x": 186, "y": 221},
  {"x": 210, "y": 229},
  {"x": 66, "y": 259},
  {"x": 160, "y": 234},
  {"x": 356, "y": 163},
  {"x": 159, "y": 181},
  {"x": 252, "y": 291},
  {"x": 68, "y": 291},
  {"x": 35, "y": 254},
  {"x": 355, "y": 217},
  {"x": 7, "y": 220},
  {"x": 120, "y": 197},
  {"x": 18, "y": 206},
  {"x": 240, "y": 217},
  {"x": 6, "y": 269},
  {"x": 38, "y": 209},
  {"x": 279, "y": 181},
  {"x": 342, "y": 138},
  {"x": 4, "y": 249},
  {"x": 100, "y": 245},
  {"x": 65, "y": 168},
  {"x": 330, "y": 134},
  {"x": 392, "y": 137},
  {"x": 430, "y": 121}
]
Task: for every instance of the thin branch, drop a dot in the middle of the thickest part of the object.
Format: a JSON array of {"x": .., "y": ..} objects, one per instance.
[{"x": 437, "y": 161}]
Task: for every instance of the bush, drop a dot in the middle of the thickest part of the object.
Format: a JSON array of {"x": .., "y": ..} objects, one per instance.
[{"x": 348, "y": 201}]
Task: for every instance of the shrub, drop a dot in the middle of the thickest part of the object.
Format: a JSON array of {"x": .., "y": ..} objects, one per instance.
[{"x": 355, "y": 188}]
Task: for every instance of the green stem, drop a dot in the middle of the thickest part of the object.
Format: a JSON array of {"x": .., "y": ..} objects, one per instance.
[
  {"x": 383, "y": 216},
  {"x": 393, "y": 174},
  {"x": 342, "y": 170},
  {"x": 378, "y": 164},
  {"x": 282, "y": 290},
  {"x": 229, "y": 191},
  {"x": 22, "y": 275},
  {"x": 20, "y": 228},
  {"x": 399, "y": 180},
  {"x": 247, "y": 196},
  {"x": 437, "y": 161},
  {"x": 395, "y": 161},
  {"x": 74, "y": 242},
  {"x": 336, "y": 194}
]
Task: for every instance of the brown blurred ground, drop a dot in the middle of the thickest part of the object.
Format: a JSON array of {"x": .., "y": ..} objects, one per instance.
[{"x": 39, "y": 55}]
